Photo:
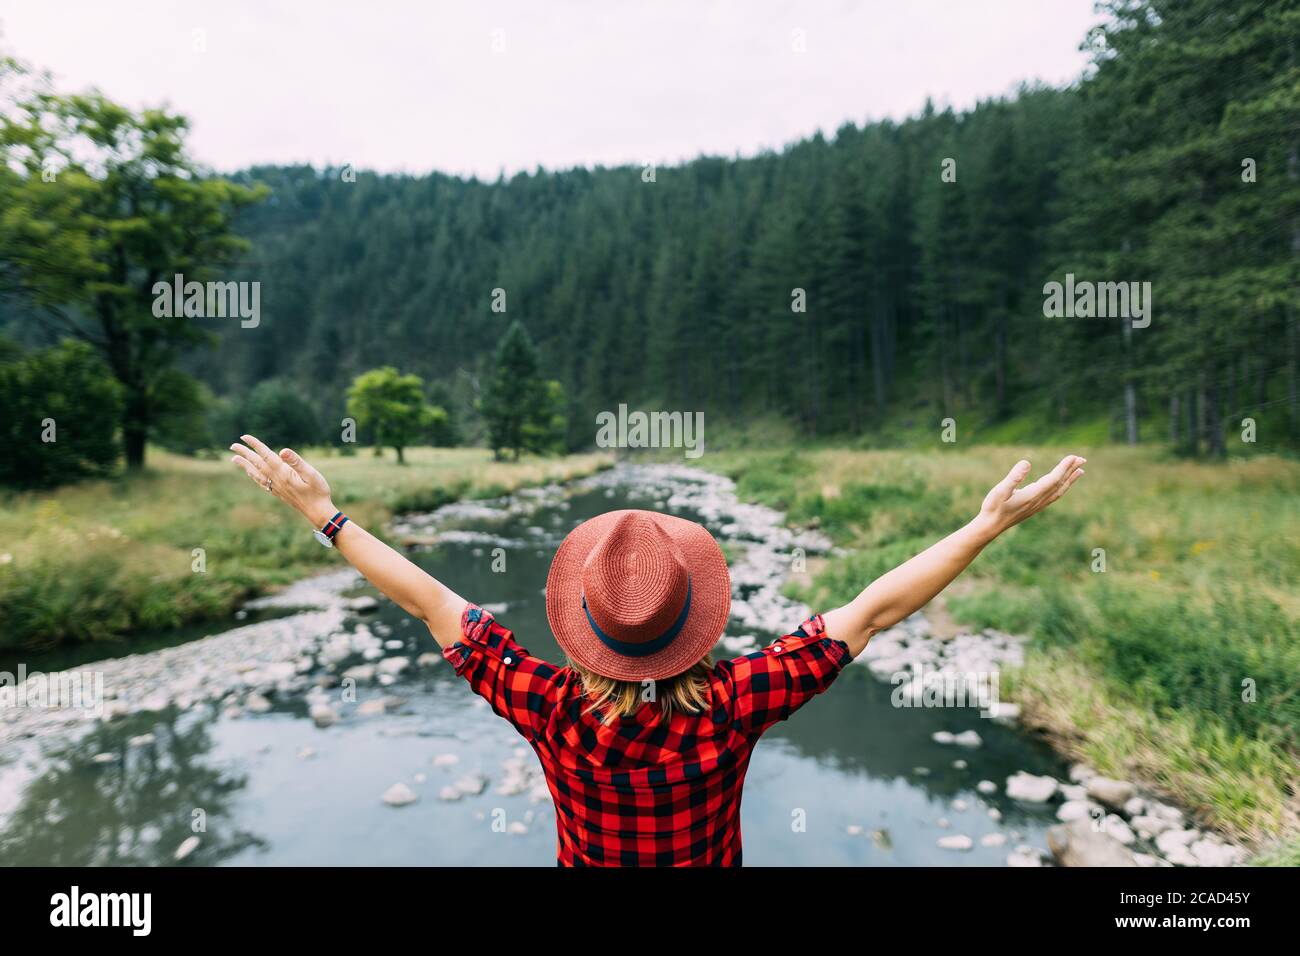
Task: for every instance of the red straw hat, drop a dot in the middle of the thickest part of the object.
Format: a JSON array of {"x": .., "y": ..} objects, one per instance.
[{"x": 638, "y": 595}]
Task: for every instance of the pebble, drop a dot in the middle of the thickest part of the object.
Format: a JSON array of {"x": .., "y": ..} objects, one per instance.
[
  {"x": 399, "y": 795},
  {"x": 957, "y": 841},
  {"x": 323, "y": 715},
  {"x": 986, "y": 787},
  {"x": 257, "y": 704},
  {"x": 993, "y": 839},
  {"x": 1029, "y": 788},
  {"x": 446, "y": 760},
  {"x": 188, "y": 846},
  {"x": 1111, "y": 793}
]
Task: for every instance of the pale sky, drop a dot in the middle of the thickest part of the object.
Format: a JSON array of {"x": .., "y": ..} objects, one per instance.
[{"x": 478, "y": 88}]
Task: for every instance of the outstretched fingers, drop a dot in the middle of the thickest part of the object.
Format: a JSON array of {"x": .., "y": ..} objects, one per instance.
[
  {"x": 299, "y": 464},
  {"x": 1007, "y": 486}
]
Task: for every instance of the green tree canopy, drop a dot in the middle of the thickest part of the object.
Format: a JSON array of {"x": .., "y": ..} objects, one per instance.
[
  {"x": 98, "y": 204},
  {"x": 392, "y": 407},
  {"x": 523, "y": 411},
  {"x": 61, "y": 408}
]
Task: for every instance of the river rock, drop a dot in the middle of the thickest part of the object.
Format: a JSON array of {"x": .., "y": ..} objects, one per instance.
[
  {"x": 445, "y": 760},
  {"x": 188, "y": 846},
  {"x": 255, "y": 703},
  {"x": 143, "y": 740},
  {"x": 471, "y": 785},
  {"x": 363, "y": 605},
  {"x": 1029, "y": 788},
  {"x": 1112, "y": 793},
  {"x": 428, "y": 659},
  {"x": 1076, "y": 810},
  {"x": 371, "y": 708},
  {"x": 986, "y": 787},
  {"x": 1210, "y": 851},
  {"x": 853, "y": 829},
  {"x": 1135, "y": 807},
  {"x": 1073, "y": 791},
  {"x": 450, "y": 792},
  {"x": 959, "y": 765},
  {"x": 1078, "y": 844},
  {"x": 1175, "y": 846},
  {"x": 957, "y": 841},
  {"x": 943, "y": 737},
  {"x": 323, "y": 715},
  {"x": 393, "y": 665},
  {"x": 1149, "y": 827},
  {"x": 361, "y": 673},
  {"x": 399, "y": 795},
  {"x": 1081, "y": 773},
  {"x": 516, "y": 827},
  {"x": 103, "y": 758},
  {"x": 993, "y": 839},
  {"x": 1023, "y": 856},
  {"x": 1166, "y": 812},
  {"x": 967, "y": 738},
  {"x": 1121, "y": 831}
]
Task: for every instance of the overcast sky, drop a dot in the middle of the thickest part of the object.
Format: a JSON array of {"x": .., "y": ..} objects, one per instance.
[{"x": 477, "y": 88}]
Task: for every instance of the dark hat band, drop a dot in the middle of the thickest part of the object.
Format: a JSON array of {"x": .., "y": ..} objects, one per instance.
[{"x": 644, "y": 648}]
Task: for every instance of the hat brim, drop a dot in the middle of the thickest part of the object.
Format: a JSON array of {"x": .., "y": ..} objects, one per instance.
[{"x": 710, "y": 601}]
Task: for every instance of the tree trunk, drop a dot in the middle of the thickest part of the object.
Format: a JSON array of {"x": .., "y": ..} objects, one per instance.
[
  {"x": 135, "y": 428},
  {"x": 1173, "y": 420},
  {"x": 401, "y": 459}
]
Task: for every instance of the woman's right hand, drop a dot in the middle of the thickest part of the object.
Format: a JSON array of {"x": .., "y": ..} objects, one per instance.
[
  {"x": 1008, "y": 504},
  {"x": 288, "y": 476}
]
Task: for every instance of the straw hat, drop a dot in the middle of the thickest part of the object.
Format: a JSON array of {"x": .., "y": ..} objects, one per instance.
[{"x": 637, "y": 595}]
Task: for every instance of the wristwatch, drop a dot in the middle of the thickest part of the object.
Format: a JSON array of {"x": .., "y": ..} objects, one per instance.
[{"x": 327, "y": 534}]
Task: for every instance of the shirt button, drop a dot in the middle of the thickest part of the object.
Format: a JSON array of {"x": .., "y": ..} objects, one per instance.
[
  {"x": 776, "y": 648},
  {"x": 508, "y": 660}
]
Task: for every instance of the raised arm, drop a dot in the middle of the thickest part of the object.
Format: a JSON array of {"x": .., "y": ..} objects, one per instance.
[
  {"x": 911, "y": 585},
  {"x": 291, "y": 479}
]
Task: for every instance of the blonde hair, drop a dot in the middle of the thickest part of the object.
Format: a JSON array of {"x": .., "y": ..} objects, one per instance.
[{"x": 686, "y": 692}]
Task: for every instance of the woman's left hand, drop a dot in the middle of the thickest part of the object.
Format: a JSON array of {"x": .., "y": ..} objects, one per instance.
[{"x": 288, "y": 476}]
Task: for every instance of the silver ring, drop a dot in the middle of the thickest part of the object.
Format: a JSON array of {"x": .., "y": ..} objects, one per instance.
[{"x": 268, "y": 485}]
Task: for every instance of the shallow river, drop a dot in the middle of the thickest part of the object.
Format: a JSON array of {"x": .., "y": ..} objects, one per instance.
[{"x": 850, "y": 779}]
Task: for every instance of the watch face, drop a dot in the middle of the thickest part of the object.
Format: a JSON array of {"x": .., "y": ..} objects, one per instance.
[{"x": 324, "y": 539}]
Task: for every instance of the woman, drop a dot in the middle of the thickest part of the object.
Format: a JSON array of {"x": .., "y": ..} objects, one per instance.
[{"x": 643, "y": 740}]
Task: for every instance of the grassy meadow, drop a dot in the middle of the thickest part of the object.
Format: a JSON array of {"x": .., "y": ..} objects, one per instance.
[
  {"x": 101, "y": 559},
  {"x": 1179, "y": 665}
]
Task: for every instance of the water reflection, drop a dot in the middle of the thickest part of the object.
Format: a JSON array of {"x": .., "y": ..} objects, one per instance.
[{"x": 125, "y": 794}]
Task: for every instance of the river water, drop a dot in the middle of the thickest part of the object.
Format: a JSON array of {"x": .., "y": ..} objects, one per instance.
[{"x": 187, "y": 760}]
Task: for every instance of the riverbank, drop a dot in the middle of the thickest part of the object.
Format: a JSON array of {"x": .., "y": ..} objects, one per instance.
[
  {"x": 1161, "y": 600},
  {"x": 191, "y": 540}
]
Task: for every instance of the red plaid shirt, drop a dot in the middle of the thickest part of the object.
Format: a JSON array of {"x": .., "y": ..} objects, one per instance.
[{"x": 641, "y": 791}]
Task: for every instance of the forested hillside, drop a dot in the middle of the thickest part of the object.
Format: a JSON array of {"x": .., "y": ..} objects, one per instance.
[{"x": 874, "y": 281}]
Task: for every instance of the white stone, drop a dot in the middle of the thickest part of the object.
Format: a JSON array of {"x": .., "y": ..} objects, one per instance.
[
  {"x": 1029, "y": 788},
  {"x": 993, "y": 839},
  {"x": 399, "y": 795},
  {"x": 1116, "y": 827},
  {"x": 957, "y": 841},
  {"x": 967, "y": 738},
  {"x": 1112, "y": 793},
  {"x": 986, "y": 787},
  {"x": 323, "y": 715},
  {"x": 1212, "y": 852},
  {"x": 1076, "y": 810},
  {"x": 188, "y": 846}
]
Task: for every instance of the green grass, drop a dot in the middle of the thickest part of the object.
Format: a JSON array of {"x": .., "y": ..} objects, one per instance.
[
  {"x": 1179, "y": 664},
  {"x": 98, "y": 560}
]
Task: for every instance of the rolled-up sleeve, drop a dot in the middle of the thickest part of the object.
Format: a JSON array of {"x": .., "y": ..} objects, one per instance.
[
  {"x": 770, "y": 685},
  {"x": 521, "y": 688}
]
